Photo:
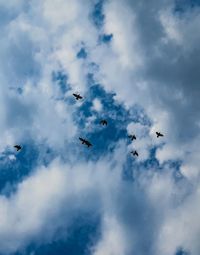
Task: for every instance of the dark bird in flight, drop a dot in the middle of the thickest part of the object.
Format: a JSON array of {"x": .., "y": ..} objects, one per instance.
[
  {"x": 17, "y": 147},
  {"x": 159, "y": 134},
  {"x": 104, "y": 122},
  {"x": 135, "y": 153},
  {"x": 77, "y": 96},
  {"x": 86, "y": 142},
  {"x": 133, "y": 137}
]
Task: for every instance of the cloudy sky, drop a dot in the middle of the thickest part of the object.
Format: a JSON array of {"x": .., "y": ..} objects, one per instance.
[{"x": 136, "y": 63}]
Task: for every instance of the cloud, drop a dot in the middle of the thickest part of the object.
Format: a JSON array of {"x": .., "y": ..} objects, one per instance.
[
  {"x": 113, "y": 239},
  {"x": 183, "y": 220},
  {"x": 159, "y": 82},
  {"x": 97, "y": 105},
  {"x": 155, "y": 66},
  {"x": 25, "y": 212},
  {"x": 149, "y": 63},
  {"x": 58, "y": 191}
]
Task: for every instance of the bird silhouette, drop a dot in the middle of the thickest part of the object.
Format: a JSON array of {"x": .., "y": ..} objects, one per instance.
[
  {"x": 84, "y": 141},
  {"x": 133, "y": 137},
  {"x": 104, "y": 122},
  {"x": 159, "y": 134},
  {"x": 135, "y": 153},
  {"x": 77, "y": 96},
  {"x": 17, "y": 147}
]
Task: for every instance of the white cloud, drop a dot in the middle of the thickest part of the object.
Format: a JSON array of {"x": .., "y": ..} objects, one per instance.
[
  {"x": 113, "y": 240},
  {"x": 120, "y": 29},
  {"x": 182, "y": 220},
  {"x": 43, "y": 196},
  {"x": 97, "y": 105},
  {"x": 25, "y": 212},
  {"x": 151, "y": 62}
]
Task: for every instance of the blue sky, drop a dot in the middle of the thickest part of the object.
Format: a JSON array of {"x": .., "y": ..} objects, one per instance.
[{"x": 136, "y": 64}]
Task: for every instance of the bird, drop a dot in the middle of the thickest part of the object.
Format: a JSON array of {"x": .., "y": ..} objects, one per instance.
[
  {"x": 135, "y": 153},
  {"x": 77, "y": 96},
  {"x": 133, "y": 137},
  {"x": 86, "y": 142},
  {"x": 17, "y": 147},
  {"x": 159, "y": 134},
  {"x": 104, "y": 122}
]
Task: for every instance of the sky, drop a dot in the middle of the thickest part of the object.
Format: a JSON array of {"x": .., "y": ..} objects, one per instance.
[{"x": 136, "y": 63}]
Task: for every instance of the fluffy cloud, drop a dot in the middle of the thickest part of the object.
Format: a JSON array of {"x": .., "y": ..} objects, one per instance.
[
  {"x": 150, "y": 62},
  {"x": 165, "y": 79},
  {"x": 48, "y": 192},
  {"x": 97, "y": 105},
  {"x": 113, "y": 239}
]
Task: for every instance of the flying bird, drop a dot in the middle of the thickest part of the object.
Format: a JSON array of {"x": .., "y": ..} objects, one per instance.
[
  {"x": 104, "y": 122},
  {"x": 133, "y": 137},
  {"x": 135, "y": 153},
  {"x": 17, "y": 147},
  {"x": 77, "y": 96},
  {"x": 86, "y": 142},
  {"x": 159, "y": 134}
]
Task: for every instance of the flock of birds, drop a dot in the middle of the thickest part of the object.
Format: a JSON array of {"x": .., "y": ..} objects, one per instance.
[
  {"x": 105, "y": 123},
  {"x": 102, "y": 122}
]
